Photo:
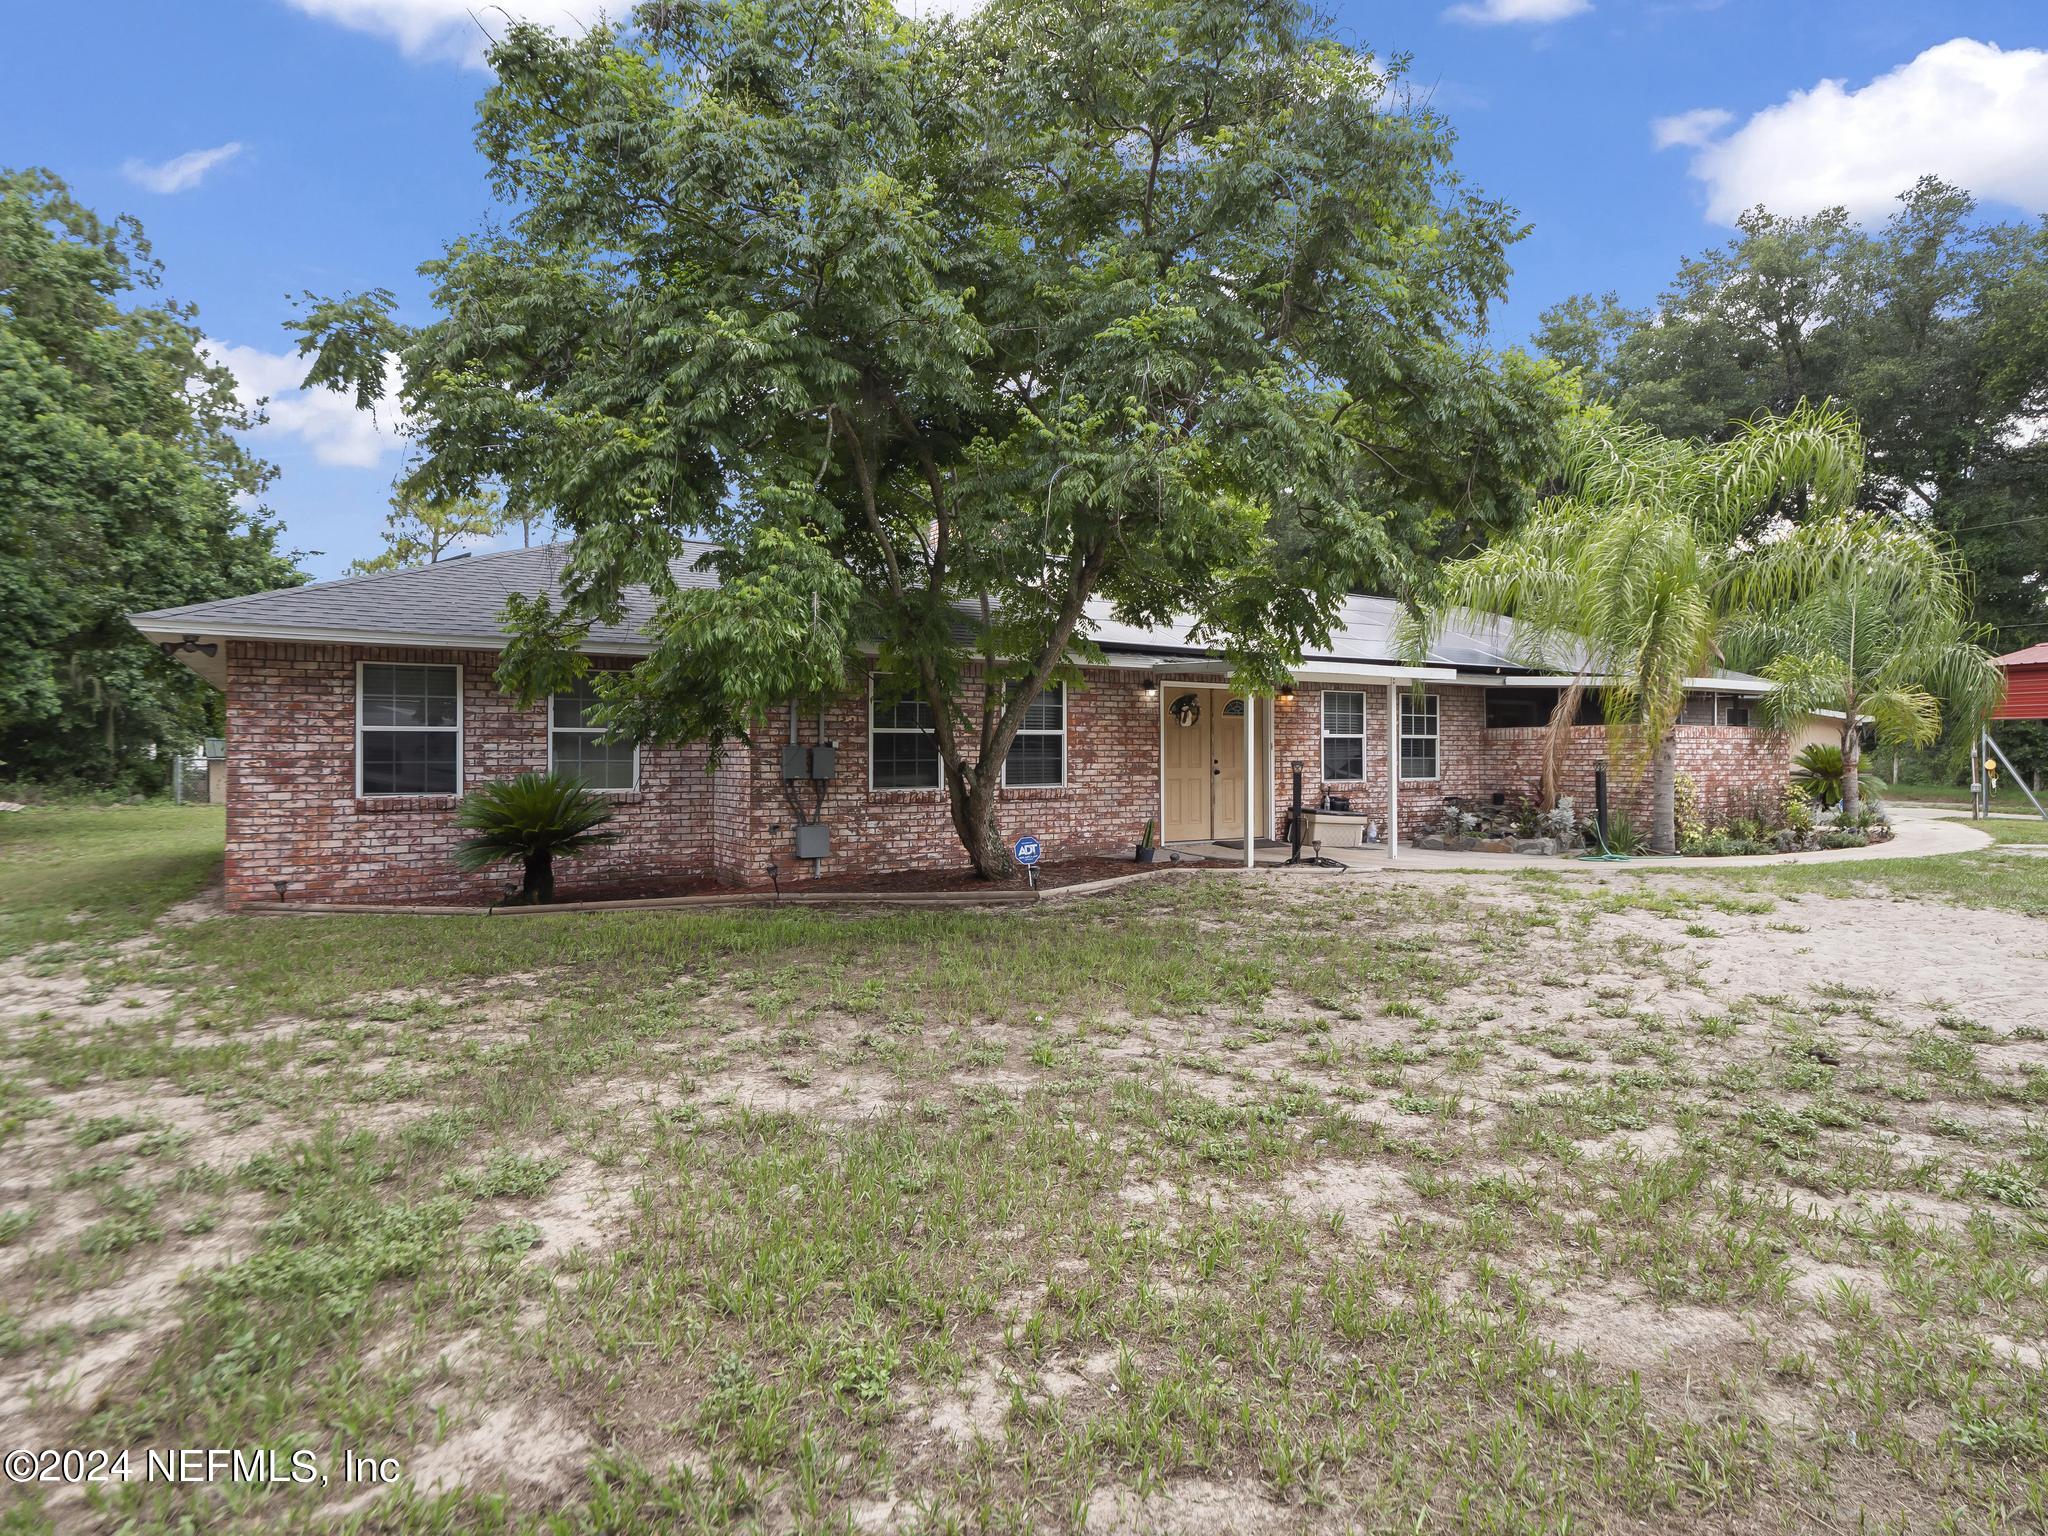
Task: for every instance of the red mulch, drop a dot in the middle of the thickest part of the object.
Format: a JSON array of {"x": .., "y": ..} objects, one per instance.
[{"x": 1051, "y": 875}]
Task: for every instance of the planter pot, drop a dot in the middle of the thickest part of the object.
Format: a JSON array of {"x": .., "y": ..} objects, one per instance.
[{"x": 1146, "y": 855}]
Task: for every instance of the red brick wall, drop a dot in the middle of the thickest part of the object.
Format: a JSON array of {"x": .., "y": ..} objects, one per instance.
[
  {"x": 293, "y": 813},
  {"x": 1734, "y": 766},
  {"x": 1112, "y": 789},
  {"x": 1464, "y": 754}
]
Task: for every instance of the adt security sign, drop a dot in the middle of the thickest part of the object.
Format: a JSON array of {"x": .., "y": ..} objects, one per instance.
[{"x": 1028, "y": 850}]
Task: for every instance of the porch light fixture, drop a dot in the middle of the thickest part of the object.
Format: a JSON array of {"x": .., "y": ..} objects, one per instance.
[
  {"x": 1287, "y": 690},
  {"x": 1151, "y": 689}
]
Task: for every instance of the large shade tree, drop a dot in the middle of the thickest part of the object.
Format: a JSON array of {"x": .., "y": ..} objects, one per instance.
[
  {"x": 942, "y": 330},
  {"x": 1637, "y": 571},
  {"x": 1928, "y": 328},
  {"x": 123, "y": 486}
]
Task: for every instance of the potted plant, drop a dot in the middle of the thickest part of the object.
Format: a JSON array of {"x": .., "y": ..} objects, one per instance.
[
  {"x": 1148, "y": 850},
  {"x": 535, "y": 818}
]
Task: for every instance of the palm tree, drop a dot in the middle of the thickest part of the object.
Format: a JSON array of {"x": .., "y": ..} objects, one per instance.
[
  {"x": 1634, "y": 571},
  {"x": 534, "y": 818},
  {"x": 1885, "y": 639}
]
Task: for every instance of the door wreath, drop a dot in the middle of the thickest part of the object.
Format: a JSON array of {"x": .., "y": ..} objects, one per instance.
[{"x": 1187, "y": 709}]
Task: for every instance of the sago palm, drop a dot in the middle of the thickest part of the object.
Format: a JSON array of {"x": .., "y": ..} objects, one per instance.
[
  {"x": 535, "y": 818},
  {"x": 1884, "y": 638},
  {"x": 1632, "y": 574}
]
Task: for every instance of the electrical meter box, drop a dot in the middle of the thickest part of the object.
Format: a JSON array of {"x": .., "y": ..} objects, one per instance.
[
  {"x": 796, "y": 761},
  {"x": 814, "y": 841},
  {"x": 824, "y": 761}
]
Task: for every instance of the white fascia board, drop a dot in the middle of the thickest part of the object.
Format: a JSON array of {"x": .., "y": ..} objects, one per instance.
[
  {"x": 1562, "y": 680},
  {"x": 1373, "y": 671},
  {"x": 396, "y": 638}
]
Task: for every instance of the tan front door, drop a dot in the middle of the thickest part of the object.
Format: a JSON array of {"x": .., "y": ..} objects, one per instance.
[
  {"x": 1188, "y": 769},
  {"x": 1227, "y": 784}
]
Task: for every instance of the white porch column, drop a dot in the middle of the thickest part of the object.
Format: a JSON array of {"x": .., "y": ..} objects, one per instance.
[
  {"x": 1251, "y": 777},
  {"x": 1393, "y": 772}
]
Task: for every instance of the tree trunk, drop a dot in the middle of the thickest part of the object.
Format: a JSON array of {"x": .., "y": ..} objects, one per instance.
[
  {"x": 973, "y": 797},
  {"x": 1664, "y": 796},
  {"x": 538, "y": 888},
  {"x": 1852, "y": 755}
]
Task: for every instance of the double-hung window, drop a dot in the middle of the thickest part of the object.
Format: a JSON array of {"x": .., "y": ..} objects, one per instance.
[
  {"x": 408, "y": 729},
  {"x": 1037, "y": 758},
  {"x": 903, "y": 752},
  {"x": 1343, "y": 737},
  {"x": 1418, "y": 736},
  {"x": 577, "y": 744}
]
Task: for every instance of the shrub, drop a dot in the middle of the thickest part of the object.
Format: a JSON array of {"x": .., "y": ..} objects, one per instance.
[
  {"x": 1797, "y": 812},
  {"x": 1725, "y": 844},
  {"x": 1622, "y": 836},
  {"x": 1561, "y": 821},
  {"x": 1689, "y": 812},
  {"x": 1819, "y": 771},
  {"x": 535, "y": 818}
]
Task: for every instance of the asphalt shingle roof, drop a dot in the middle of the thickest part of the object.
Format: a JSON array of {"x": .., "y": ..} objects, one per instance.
[
  {"x": 460, "y": 601},
  {"x": 453, "y": 599}
]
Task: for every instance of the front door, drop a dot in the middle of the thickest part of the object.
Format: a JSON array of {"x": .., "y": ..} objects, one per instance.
[
  {"x": 1189, "y": 717},
  {"x": 1227, "y": 782}
]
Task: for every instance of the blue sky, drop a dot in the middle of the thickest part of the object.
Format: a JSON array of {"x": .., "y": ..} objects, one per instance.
[{"x": 273, "y": 146}]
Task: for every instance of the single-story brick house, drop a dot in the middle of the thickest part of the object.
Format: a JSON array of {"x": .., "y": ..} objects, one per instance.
[{"x": 359, "y": 710}]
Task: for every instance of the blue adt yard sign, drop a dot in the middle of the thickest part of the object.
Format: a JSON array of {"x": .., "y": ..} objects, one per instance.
[{"x": 1028, "y": 850}]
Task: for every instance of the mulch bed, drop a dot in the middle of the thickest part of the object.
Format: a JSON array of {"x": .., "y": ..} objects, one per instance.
[{"x": 917, "y": 882}]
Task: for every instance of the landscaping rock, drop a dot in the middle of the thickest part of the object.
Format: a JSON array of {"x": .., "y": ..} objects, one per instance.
[
  {"x": 1541, "y": 847},
  {"x": 1494, "y": 845}
]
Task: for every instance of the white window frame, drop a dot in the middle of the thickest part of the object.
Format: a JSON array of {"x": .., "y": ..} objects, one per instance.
[
  {"x": 897, "y": 730},
  {"x": 1061, "y": 733},
  {"x": 1433, "y": 709},
  {"x": 587, "y": 730},
  {"x": 431, "y": 794},
  {"x": 1326, "y": 734}
]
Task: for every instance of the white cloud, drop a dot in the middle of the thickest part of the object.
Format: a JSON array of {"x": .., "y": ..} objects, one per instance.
[
  {"x": 1692, "y": 128},
  {"x": 455, "y": 30},
  {"x": 1500, "y": 13},
  {"x": 1971, "y": 113},
  {"x": 327, "y": 423},
  {"x": 180, "y": 172}
]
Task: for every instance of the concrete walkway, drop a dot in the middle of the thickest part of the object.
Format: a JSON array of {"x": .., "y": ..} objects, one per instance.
[{"x": 1918, "y": 833}]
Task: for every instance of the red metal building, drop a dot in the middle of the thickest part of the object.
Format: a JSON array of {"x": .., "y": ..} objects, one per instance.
[{"x": 2026, "y": 684}]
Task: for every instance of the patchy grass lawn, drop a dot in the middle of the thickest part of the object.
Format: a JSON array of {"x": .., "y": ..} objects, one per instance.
[
  {"x": 2007, "y": 797},
  {"x": 1539, "y": 1202},
  {"x": 84, "y": 875},
  {"x": 2011, "y": 876}
]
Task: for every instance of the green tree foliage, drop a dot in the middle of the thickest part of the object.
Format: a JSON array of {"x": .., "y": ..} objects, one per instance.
[
  {"x": 122, "y": 487},
  {"x": 1887, "y": 640},
  {"x": 1640, "y": 568},
  {"x": 943, "y": 329},
  {"x": 1932, "y": 331},
  {"x": 420, "y": 531}
]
